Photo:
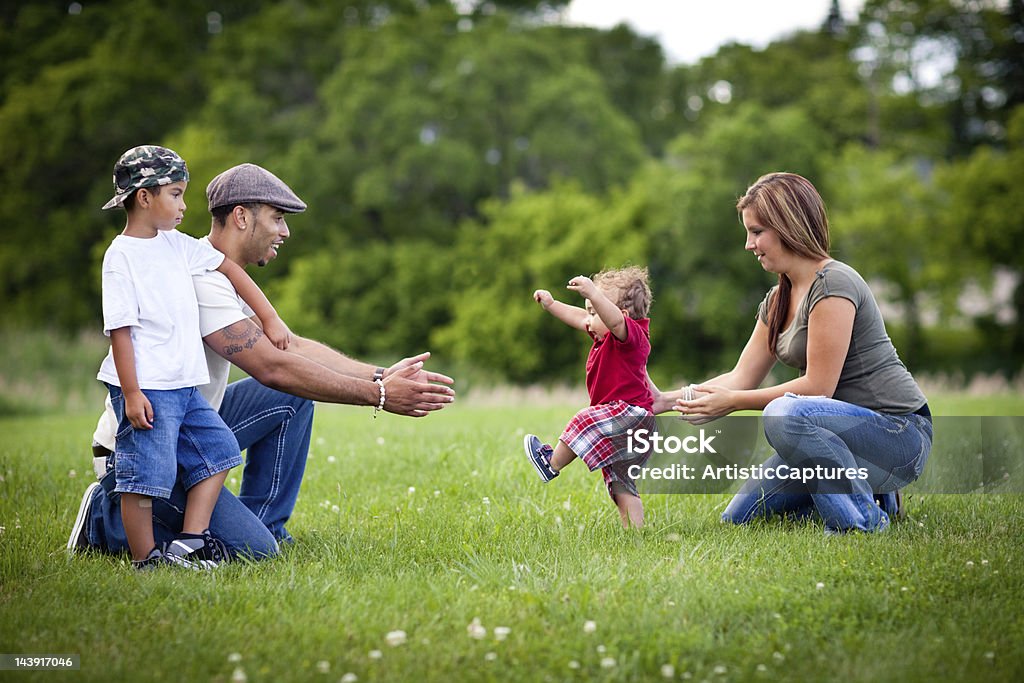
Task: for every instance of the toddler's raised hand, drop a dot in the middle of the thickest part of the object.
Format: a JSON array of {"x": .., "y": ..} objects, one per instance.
[
  {"x": 543, "y": 297},
  {"x": 583, "y": 285},
  {"x": 277, "y": 332}
]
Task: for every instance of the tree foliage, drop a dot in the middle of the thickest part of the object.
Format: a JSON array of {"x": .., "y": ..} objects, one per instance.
[{"x": 457, "y": 155}]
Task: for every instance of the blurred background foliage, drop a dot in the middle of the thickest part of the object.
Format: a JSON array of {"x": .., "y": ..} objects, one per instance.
[{"x": 457, "y": 156}]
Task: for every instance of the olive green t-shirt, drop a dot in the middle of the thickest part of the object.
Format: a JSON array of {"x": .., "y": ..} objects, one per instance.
[{"x": 873, "y": 375}]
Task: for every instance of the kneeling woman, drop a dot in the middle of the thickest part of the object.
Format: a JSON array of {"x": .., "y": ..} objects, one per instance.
[{"x": 855, "y": 406}]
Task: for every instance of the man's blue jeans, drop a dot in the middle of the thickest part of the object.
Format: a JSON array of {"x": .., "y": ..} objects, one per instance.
[
  {"x": 810, "y": 431},
  {"x": 274, "y": 428}
]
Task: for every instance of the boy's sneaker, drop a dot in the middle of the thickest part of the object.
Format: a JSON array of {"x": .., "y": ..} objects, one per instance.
[
  {"x": 156, "y": 558},
  {"x": 77, "y": 541},
  {"x": 540, "y": 455},
  {"x": 204, "y": 551}
]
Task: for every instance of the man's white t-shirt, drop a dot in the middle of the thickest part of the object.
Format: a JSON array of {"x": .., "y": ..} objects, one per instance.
[
  {"x": 147, "y": 286},
  {"x": 219, "y": 306}
]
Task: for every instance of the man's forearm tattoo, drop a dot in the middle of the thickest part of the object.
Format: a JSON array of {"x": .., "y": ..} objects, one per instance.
[{"x": 241, "y": 336}]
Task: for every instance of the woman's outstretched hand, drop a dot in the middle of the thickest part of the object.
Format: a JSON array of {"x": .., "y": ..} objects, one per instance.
[{"x": 702, "y": 403}]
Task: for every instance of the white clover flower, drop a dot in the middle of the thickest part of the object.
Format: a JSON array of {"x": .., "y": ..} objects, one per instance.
[
  {"x": 819, "y": 585},
  {"x": 486, "y": 501},
  {"x": 490, "y": 656},
  {"x": 335, "y": 509},
  {"x": 608, "y": 662},
  {"x": 573, "y": 664},
  {"x": 375, "y": 654},
  {"x": 673, "y": 538},
  {"x": 436, "y": 493},
  {"x": 234, "y": 657},
  {"x": 990, "y": 655},
  {"x": 903, "y": 589},
  {"x": 668, "y": 671},
  {"x": 238, "y": 675},
  {"x": 589, "y": 626},
  {"x": 720, "y": 669},
  {"x": 331, "y": 458},
  {"x": 323, "y": 666},
  {"x": 412, "y": 490},
  {"x": 349, "y": 678},
  {"x": 380, "y": 440},
  {"x": 970, "y": 563},
  {"x": 395, "y": 638},
  {"x": 501, "y": 632},
  {"x": 476, "y": 630},
  {"x": 984, "y": 561},
  {"x": 601, "y": 649},
  {"x": 761, "y": 668},
  {"x": 72, "y": 474},
  {"x": 778, "y": 656},
  {"x": 567, "y": 505}
]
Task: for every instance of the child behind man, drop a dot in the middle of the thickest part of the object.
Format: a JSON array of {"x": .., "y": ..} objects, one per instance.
[
  {"x": 156, "y": 360},
  {"x": 615, "y": 317}
]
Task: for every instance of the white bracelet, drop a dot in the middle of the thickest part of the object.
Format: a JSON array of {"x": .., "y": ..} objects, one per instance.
[{"x": 383, "y": 394}]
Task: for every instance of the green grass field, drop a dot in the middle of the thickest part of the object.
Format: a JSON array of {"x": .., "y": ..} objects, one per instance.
[{"x": 424, "y": 526}]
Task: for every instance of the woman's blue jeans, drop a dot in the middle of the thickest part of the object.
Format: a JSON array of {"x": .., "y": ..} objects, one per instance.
[
  {"x": 274, "y": 428},
  {"x": 809, "y": 431}
]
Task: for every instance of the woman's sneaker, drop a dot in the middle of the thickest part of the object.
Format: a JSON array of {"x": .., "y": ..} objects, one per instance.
[
  {"x": 540, "y": 455},
  {"x": 204, "y": 551}
]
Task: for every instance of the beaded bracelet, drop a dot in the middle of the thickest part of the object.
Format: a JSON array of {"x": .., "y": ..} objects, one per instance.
[{"x": 380, "y": 406}]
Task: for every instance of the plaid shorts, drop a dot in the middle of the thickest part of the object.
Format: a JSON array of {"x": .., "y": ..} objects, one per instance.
[{"x": 598, "y": 436}]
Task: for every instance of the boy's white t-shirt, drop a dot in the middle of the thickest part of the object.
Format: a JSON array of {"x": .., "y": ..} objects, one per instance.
[
  {"x": 219, "y": 306},
  {"x": 147, "y": 286}
]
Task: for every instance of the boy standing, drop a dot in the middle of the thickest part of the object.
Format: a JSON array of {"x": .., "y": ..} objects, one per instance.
[{"x": 156, "y": 360}]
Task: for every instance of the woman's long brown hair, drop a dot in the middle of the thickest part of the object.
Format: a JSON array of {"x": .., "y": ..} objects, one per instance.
[{"x": 788, "y": 204}]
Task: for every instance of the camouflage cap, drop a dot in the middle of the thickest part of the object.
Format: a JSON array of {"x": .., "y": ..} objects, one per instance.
[{"x": 145, "y": 166}]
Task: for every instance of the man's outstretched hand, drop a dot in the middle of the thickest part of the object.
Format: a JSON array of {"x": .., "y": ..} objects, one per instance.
[{"x": 414, "y": 391}]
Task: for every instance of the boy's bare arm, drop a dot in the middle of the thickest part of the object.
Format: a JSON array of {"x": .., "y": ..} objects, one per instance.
[
  {"x": 137, "y": 407},
  {"x": 273, "y": 326},
  {"x": 573, "y": 316},
  {"x": 609, "y": 313}
]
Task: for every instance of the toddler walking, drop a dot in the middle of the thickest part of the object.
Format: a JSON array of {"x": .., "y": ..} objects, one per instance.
[{"x": 615, "y": 316}]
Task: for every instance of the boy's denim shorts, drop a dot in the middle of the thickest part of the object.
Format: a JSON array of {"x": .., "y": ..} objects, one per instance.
[{"x": 189, "y": 441}]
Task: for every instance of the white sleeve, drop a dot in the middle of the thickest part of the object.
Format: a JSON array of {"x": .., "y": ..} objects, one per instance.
[
  {"x": 120, "y": 302},
  {"x": 219, "y": 304},
  {"x": 200, "y": 255}
]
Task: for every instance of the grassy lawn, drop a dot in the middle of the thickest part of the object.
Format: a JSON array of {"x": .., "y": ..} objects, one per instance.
[{"x": 423, "y": 526}]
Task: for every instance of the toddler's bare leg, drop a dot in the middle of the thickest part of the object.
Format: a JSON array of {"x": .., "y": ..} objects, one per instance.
[
  {"x": 137, "y": 517},
  {"x": 631, "y": 510},
  {"x": 562, "y": 456},
  {"x": 200, "y": 503}
]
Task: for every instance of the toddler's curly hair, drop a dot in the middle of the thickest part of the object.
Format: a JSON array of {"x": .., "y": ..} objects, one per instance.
[{"x": 631, "y": 288}]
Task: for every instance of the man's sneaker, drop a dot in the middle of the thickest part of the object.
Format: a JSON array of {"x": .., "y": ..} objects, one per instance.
[
  {"x": 78, "y": 541},
  {"x": 540, "y": 455},
  {"x": 204, "y": 550}
]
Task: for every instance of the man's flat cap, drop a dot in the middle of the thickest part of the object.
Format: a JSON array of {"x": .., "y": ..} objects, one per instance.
[{"x": 252, "y": 184}]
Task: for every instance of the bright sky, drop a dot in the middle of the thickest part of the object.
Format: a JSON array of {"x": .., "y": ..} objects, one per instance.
[{"x": 691, "y": 29}]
